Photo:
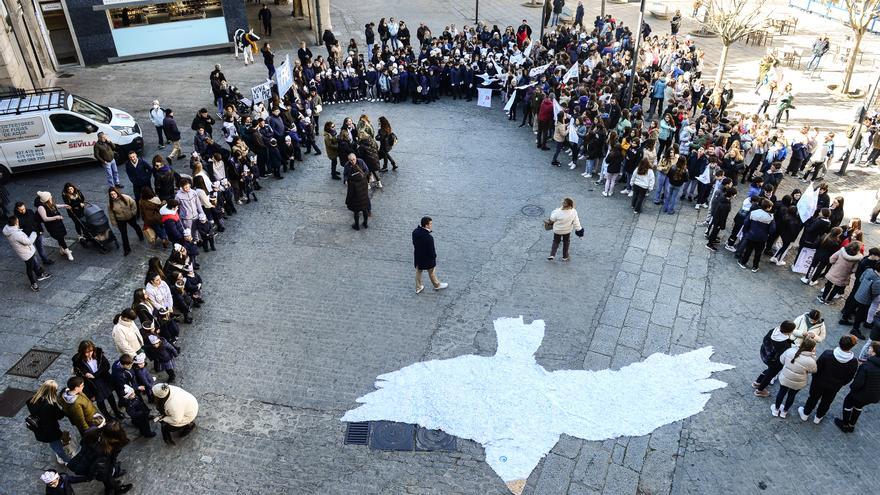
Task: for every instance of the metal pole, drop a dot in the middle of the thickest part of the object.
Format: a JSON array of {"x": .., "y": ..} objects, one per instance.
[
  {"x": 543, "y": 4},
  {"x": 602, "y": 11},
  {"x": 477, "y": 13},
  {"x": 635, "y": 60},
  {"x": 858, "y": 132},
  {"x": 318, "y": 22}
]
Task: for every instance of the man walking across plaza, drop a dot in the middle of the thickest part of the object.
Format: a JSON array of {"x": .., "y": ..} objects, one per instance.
[
  {"x": 820, "y": 48},
  {"x": 425, "y": 255},
  {"x": 265, "y": 17},
  {"x": 105, "y": 152}
]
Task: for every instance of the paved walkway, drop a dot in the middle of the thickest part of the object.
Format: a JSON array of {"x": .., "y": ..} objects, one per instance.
[{"x": 303, "y": 313}]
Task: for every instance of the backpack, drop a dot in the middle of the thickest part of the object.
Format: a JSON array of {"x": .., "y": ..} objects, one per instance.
[
  {"x": 767, "y": 348},
  {"x": 393, "y": 139},
  {"x": 32, "y": 423}
]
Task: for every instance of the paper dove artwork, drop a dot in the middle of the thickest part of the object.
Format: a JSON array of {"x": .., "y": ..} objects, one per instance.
[{"x": 517, "y": 409}]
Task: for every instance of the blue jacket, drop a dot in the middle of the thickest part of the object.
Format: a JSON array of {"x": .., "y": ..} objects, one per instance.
[
  {"x": 140, "y": 174},
  {"x": 121, "y": 378},
  {"x": 759, "y": 226},
  {"x": 659, "y": 88}
]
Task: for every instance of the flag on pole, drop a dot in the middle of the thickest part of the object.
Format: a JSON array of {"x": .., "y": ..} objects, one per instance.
[
  {"x": 556, "y": 109},
  {"x": 572, "y": 72},
  {"x": 528, "y": 50},
  {"x": 537, "y": 71}
]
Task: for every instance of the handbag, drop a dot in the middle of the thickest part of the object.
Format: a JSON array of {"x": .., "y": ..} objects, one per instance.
[
  {"x": 150, "y": 234},
  {"x": 548, "y": 224},
  {"x": 319, "y": 108}
]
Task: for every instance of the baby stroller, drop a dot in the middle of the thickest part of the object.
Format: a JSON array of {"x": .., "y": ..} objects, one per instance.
[{"x": 96, "y": 228}]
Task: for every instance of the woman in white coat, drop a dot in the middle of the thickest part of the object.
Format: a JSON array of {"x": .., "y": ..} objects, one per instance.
[
  {"x": 564, "y": 219},
  {"x": 798, "y": 363}
]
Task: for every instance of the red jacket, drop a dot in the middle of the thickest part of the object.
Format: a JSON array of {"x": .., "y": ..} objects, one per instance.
[{"x": 545, "y": 112}]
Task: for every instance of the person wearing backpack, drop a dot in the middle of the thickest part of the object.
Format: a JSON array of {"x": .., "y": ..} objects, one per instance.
[
  {"x": 864, "y": 390},
  {"x": 775, "y": 343},
  {"x": 835, "y": 368},
  {"x": 797, "y": 365},
  {"x": 387, "y": 139},
  {"x": 43, "y": 419}
]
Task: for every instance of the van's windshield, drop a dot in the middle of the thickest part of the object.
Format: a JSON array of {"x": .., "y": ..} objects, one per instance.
[{"x": 90, "y": 109}]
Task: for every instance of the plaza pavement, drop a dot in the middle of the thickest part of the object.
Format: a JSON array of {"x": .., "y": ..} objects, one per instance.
[{"x": 303, "y": 313}]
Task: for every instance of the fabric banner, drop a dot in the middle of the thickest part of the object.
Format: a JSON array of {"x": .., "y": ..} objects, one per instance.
[
  {"x": 705, "y": 177},
  {"x": 510, "y": 101},
  {"x": 572, "y": 72},
  {"x": 262, "y": 92},
  {"x": 517, "y": 59},
  {"x": 806, "y": 206},
  {"x": 284, "y": 76},
  {"x": 528, "y": 50},
  {"x": 537, "y": 71},
  {"x": 803, "y": 261},
  {"x": 556, "y": 109},
  {"x": 484, "y": 97}
]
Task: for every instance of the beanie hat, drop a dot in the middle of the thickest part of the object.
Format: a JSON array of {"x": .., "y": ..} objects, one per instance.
[
  {"x": 44, "y": 196},
  {"x": 154, "y": 340},
  {"x": 140, "y": 358},
  {"x": 49, "y": 476},
  {"x": 161, "y": 390},
  {"x": 127, "y": 391}
]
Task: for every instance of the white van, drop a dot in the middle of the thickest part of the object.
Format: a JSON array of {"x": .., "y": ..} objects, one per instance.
[{"x": 50, "y": 127}]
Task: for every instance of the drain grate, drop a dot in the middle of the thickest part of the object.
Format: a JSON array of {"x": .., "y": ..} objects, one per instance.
[
  {"x": 435, "y": 440},
  {"x": 357, "y": 433},
  {"x": 12, "y": 400},
  {"x": 387, "y": 435},
  {"x": 532, "y": 211},
  {"x": 33, "y": 363}
]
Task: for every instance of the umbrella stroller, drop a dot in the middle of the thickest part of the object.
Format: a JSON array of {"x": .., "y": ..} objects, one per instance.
[{"x": 96, "y": 228}]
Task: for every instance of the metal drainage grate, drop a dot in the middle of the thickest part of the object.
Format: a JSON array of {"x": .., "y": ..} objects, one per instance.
[
  {"x": 532, "y": 211},
  {"x": 386, "y": 435},
  {"x": 434, "y": 440},
  {"x": 33, "y": 363},
  {"x": 12, "y": 400},
  {"x": 357, "y": 433}
]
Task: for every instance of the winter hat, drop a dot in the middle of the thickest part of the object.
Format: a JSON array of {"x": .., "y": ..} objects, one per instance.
[
  {"x": 156, "y": 103},
  {"x": 154, "y": 340},
  {"x": 49, "y": 476},
  {"x": 178, "y": 247},
  {"x": 161, "y": 390},
  {"x": 140, "y": 358},
  {"x": 187, "y": 232},
  {"x": 98, "y": 420},
  {"x": 148, "y": 325},
  {"x": 127, "y": 391},
  {"x": 44, "y": 196}
]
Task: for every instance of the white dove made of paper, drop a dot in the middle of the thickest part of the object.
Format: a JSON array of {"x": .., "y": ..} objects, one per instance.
[{"x": 517, "y": 409}]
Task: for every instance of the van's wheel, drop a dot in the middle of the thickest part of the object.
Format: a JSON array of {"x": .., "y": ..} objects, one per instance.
[{"x": 5, "y": 174}]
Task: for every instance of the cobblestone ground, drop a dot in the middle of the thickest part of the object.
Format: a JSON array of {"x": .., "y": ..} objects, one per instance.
[{"x": 304, "y": 313}]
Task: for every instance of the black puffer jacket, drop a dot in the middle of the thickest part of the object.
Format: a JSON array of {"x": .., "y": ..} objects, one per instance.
[
  {"x": 865, "y": 387},
  {"x": 358, "y": 196},
  {"x": 831, "y": 373},
  {"x": 367, "y": 152},
  {"x": 48, "y": 415}
]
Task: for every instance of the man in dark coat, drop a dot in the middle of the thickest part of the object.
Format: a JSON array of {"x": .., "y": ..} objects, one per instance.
[
  {"x": 865, "y": 389},
  {"x": 265, "y": 17},
  {"x": 357, "y": 198},
  {"x": 425, "y": 255},
  {"x": 139, "y": 172},
  {"x": 29, "y": 222},
  {"x": 835, "y": 368},
  {"x": 172, "y": 133}
]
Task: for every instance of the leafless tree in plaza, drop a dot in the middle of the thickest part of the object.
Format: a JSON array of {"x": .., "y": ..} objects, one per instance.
[
  {"x": 860, "y": 14},
  {"x": 732, "y": 21}
]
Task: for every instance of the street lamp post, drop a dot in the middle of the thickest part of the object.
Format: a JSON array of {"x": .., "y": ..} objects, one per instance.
[
  {"x": 635, "y": 60},
  {"x": 543, "y": 6},
  {"x": 869, "y": 100},
  {"x": 477, "y": 13}
]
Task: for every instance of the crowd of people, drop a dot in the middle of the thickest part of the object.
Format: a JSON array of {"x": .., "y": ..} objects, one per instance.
[{"x": 660, "y": 134}]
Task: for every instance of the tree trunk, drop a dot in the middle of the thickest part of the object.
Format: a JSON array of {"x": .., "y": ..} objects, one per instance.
[
  {"x": 719, "y": 74},
  {"x": 602, "y": 12},
  {"x": 851, "y": 63}
]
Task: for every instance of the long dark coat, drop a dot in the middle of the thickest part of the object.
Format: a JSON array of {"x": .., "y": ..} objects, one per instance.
[
  {"x": 358, "y": 196},
  {"x": 101, "y": 386}
]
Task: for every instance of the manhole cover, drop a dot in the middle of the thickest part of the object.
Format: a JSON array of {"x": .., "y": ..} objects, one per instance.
[
  {"x": 33, "y": 363},
  {"x": 357, "y": 433},
  {"x": 12, "y": 399},
  {"x": 386, "y": 435},
  {"x": 532, "y": 211},
  {"x": 434, "y": 440}
]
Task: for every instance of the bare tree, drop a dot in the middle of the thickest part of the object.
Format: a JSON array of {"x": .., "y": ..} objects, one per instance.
[
  {"x": 861, "y": 13},
  {"x": 731, "y": 20}
]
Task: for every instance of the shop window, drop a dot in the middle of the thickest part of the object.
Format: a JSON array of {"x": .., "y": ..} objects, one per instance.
[{"x": 160, "y": 13}]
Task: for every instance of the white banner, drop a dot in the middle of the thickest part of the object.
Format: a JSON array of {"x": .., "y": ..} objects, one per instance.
[
  {"x": 806, "y": 206},
  {"x": 528, "y": 50},
  {"x": 537, "y": 71},
  {"x": 510, "y": 101},
  {"x": 556, "y": 109},
  {"x": 262, "y": 92},
  {"x": 484, "y": 97},
  {"x": 573, "y": 72},
  {"x": 284, "y": 76}
]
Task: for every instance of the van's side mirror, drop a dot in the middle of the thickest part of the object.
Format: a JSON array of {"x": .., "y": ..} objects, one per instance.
[{"x": 90, "y": 129}]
